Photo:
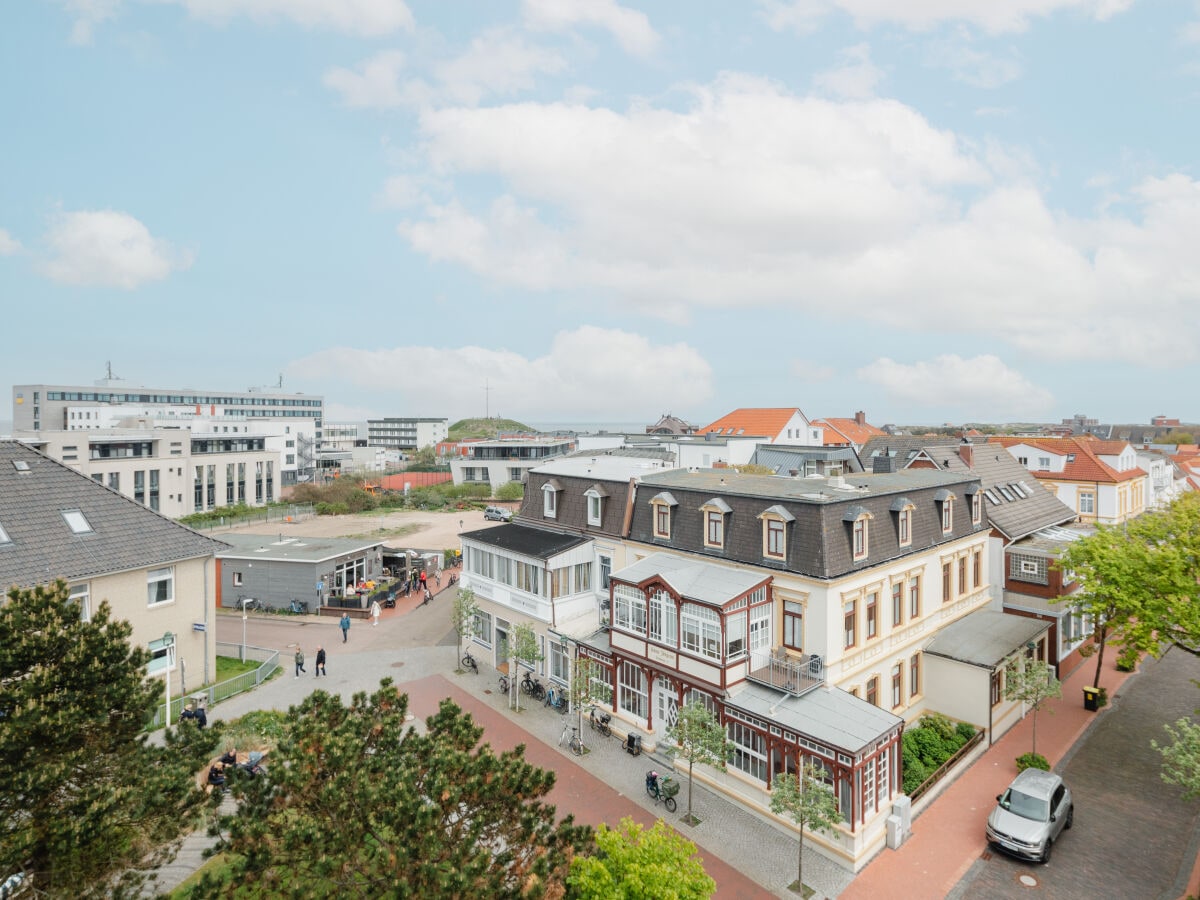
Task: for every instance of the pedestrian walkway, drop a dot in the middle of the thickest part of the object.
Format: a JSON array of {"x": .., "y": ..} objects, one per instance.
[{"x": 948, "y": 836}]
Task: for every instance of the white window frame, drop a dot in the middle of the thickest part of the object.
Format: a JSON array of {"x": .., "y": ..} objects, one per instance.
[
  {"x": 629, "y": 609},
  {"x": 703, "y": 624},
  {"x": 632, "y": 692},
  {"x": 774, "y": 537},
  {"x": 595, "y": 507},
  {"x": 904, "y": 527},
  {"x": 1087, "y": 508},
  {"x": 947, "y": 515},
  {"x": 862, "y": 538},
  {"x": 154, "y": 577},
  {"x": 760, "y": 627},
  {"x": 549, "y": 501},
  {"x": 714, "y": 528},
  {"x": 662, "y": 515},
  {"x": 663, "y": 625},
  {"x": 735, "y": 632},
  {"x": 82, "y": 594}
]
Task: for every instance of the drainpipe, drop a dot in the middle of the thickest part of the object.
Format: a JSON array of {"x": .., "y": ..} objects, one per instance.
[{"x": 990, "y": 707}]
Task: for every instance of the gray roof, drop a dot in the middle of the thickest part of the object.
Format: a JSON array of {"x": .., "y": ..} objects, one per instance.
[
  {"x": 985, "y": 637},
  {"x": 783, "y": 459},
  {"x": 1015, "y": 514},
  {"x": 817, "y": 489},
  {"x": 538, "y": 543},
  {"x": 693, "y": 579},
  {"x": 284, "y": 548},
  {"x": 124, "y": 535},
  {"x": 827, "y": 714}
]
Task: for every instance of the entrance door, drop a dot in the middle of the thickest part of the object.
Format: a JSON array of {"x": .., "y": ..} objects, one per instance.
[
  {"x": 501, "y": 645},
  {"x": 666, "y": 706}
]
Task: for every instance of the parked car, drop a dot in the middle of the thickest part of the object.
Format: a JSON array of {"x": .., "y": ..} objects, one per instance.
[
  {"x": 1031, "y": 814},
  {"x": 497, "y": 514}
]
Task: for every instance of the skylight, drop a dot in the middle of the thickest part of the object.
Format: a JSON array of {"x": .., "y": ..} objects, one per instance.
[
  {"x": 20, "y": 465},
  {"x": 76, "y": 521},
  {"x": 4, "y": 538}
]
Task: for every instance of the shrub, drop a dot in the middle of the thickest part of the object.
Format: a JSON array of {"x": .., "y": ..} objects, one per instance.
[
  {"x": 925, "y": 747},
  {"x": 965, "y": 730},
  {"x": 915, "y": 773},
  {"x": 1032, "y": 761},
  {"x": 1127, "y": 659},
  {"x": 510, "y": 492}
]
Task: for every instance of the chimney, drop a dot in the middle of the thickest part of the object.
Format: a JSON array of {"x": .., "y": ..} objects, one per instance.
[
  {"x": 860, "y": 418},
  {"x": 967, "y": 452},
  {"x": 883, "y": 464}
]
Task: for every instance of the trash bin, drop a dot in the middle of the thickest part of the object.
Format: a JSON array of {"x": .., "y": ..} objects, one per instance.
[
  {"x": 1091, "y": 699},
  {"x": 633, "y": 744}
]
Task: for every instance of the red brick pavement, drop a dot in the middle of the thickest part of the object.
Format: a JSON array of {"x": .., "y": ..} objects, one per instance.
[
  {"x": 949, "y": 835},
  {"x": 575, "y": 791}
]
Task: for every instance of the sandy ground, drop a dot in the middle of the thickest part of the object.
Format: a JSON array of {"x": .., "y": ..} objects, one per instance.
[{"x": 399, "y": 529}]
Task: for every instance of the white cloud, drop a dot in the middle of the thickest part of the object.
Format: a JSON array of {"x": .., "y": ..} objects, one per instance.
[
  {"x": 855, "y": 78},
  {"x": 88, "y": 14},
  {"x": 500, "y": 61},
  {"x": 994, "y": 16},
  {"x": 366, "y": 18},
  {"x": 585, "y": 374},
  {"x": 376, "y": 83},
  {"x": 631, "y": 29},
  {"x": 982, "y": 386},
  {"x": 970, "y": 65},
  {"x": 9, "y": 245},
  {"x": 751, "y": 197},
  {"x": 402, "y": 192},
  {"x": 109, "y": 248}
]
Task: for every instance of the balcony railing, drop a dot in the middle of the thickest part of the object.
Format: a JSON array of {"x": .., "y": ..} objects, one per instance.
[{"x": 796, "y": 675}]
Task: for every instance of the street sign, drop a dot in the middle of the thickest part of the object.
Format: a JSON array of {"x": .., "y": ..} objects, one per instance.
[
  {"x": 320, "y": 585},
  {"x": 199, "y": 626}
]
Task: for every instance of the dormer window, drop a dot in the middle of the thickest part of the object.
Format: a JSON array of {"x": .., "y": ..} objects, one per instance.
[
  {"x": 858, "y": 517},
  {"x": 550, "y": 498},
  {"x": 775, "y": 521},
  {"x": 976, "y": 508},
  {"x": 595, "y": 504},
  {"x": 715, "y": 511},
  {"x": 663, "y": 504},
  {"x": 903, "y": 508},
  {"x": 946, "y": 499}
]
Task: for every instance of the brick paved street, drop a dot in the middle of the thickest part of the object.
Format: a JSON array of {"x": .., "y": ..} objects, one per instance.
[{"x": 1133, "y": 836}]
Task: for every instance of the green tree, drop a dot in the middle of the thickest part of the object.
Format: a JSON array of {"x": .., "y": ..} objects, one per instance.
[
  {"x": 510, "y": 491},
  {"x": 463, "y": 616},
  {"x": 356, "y": 803},
  {"x": 522, "y": 650},
  {"x": 1111, "y": 568},
  {"x": 1181, "y": 757},
  {"x": 87, "y": 805},
  {"x": 588, "y": 686},
  {"x": 700, "y": 738},
  {"x": 1032, "y": 684},
  {"x": 634, "y": 863},
  {"x": 1171, "y": 574},
  {"x": 810, "y": 803}
]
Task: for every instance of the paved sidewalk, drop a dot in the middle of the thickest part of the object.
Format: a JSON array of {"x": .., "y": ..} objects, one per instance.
[{"x": 948, "y": 836}]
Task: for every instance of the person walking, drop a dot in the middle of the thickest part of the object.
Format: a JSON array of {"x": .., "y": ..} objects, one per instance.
[
  {"x": 375, "y": 612},
  {"x": 437, "y": 577},
  {"x": 345, "y": 627},
  {"x": 321, "y": 663},
  {"x": 424, "y": 580},
  {"x": 299, "y": 662}
]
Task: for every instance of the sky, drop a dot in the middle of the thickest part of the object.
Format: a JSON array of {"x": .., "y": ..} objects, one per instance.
[{"x": 935, "y": 211}]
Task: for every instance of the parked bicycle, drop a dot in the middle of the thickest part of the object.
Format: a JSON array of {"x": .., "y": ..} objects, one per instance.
[
  {"x": 600, "y": 722},
  {"x": 533, "y": 688},
  {"x": 298, "y": 607},
  {"x": 557, "y": 700},
  {"x": 468, "y": 662},
  {"x": 574, "y": 742},
  {"x": 662, "y": 788},
  {"x": 504, "y": 684}
]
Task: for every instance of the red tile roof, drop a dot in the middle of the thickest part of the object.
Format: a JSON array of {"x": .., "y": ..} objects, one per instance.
[
  {"x": 846, "y": 431},
  {"x": 753, "y": 421},
  {"x": 1086, "y": 466}
]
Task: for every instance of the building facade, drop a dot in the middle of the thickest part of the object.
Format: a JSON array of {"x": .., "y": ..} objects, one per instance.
[
  {"x": 496, "y": 463},
  {"x": 406, "y": 434}
]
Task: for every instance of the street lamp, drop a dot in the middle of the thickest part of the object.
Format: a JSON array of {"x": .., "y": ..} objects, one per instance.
[
  {"x": 245, "y": 600},
  {"x": 168, "y": 643}
]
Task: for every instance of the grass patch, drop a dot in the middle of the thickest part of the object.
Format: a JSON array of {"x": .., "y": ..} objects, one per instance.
[{"x": 231, "y": 667}]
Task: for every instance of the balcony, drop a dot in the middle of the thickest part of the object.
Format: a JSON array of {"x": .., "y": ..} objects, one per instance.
[{"x": 796, "y": 675}]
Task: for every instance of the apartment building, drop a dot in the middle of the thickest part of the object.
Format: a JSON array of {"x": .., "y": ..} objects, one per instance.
[{"x": 406, "y": 434}]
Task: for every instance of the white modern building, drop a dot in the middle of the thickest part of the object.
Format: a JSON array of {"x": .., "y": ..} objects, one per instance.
[
  {"x": 290, "y": 423},
  {"x": 406, "y": 434},
  {"x": 496, "y": 463}
]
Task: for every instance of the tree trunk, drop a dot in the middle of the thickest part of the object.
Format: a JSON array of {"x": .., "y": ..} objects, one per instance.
[
  {"x": 691, "y": 763},
  {"x": 1100, "y": 655},
  {"x": 1035, "y": 709},
  {"x": 800, "y": 862}
]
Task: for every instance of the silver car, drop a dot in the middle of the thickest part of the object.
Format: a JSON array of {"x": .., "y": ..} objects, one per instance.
[
  {"x": 1031, "y": 814},
  {"x": 497, "y": 514}
]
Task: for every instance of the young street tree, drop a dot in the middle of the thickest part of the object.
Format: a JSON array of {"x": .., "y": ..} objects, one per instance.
[
  {"x": 1181, "y": 757},
  {"x": 522, "y": 649},
  {"x": 87, "y": 805},
  {"x": 1032, "y": 684},
  {"x": 810, "y": 803},
  {"x": 634, "y": 862},
  {"x": 462, "y": 618},
  {"x": 700, "y": 739},
  {"x": 588, "y": 686},
  {"x": 356, "y": 804}
]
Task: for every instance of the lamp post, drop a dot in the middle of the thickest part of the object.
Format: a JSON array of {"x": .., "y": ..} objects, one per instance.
[
  {"x": 168, "y": 643},
  {"x": 245, "y": 600}
]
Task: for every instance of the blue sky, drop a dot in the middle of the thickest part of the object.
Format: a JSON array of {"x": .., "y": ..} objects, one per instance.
[{"x": 932, "y": 211}]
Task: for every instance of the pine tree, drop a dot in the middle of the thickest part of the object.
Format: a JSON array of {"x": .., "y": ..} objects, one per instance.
[
  {"x": 87, "y": 804},
  {"x": 357, "y": 804}
]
